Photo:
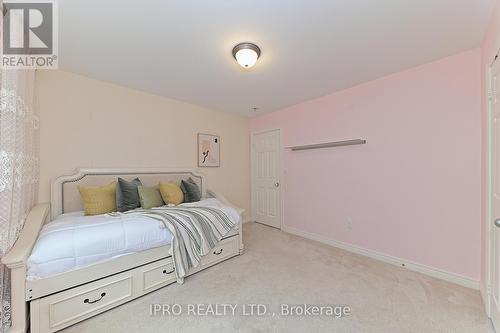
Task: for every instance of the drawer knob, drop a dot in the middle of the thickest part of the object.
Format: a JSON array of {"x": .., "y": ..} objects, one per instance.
[
  {"x": 217, "y": 253},
  {"x": 165, "y": 271},
  {"x": 94, "y": 301}
]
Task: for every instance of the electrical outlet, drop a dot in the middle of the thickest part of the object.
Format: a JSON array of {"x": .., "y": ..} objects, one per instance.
[{"x": 348, "y": 223}]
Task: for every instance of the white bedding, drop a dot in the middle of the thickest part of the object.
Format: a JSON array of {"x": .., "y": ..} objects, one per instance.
[{"x": 74, "y": 240}]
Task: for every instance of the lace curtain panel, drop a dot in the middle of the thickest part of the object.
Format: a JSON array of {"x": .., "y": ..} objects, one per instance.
[{"x": 18, "y": 166}]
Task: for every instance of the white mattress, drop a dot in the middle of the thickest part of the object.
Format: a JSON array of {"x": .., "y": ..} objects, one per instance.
[{"x": 74, "y": 240}]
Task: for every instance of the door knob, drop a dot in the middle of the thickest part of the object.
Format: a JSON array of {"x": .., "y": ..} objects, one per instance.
[
  {"x": 497, "y": 222},
  {"x": 276, "y": 184}
]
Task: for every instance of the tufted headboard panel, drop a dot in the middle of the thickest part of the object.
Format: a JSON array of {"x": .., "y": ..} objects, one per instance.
[{"x": 65, "y": 196}]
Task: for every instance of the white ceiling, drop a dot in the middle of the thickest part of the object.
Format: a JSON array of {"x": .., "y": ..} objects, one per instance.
[{"x": 182, "y": 49}]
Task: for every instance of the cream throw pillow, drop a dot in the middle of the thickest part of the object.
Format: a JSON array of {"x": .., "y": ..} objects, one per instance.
[
  {"x": 171, "y": 193},
  {"x": 98, "y": 199}
]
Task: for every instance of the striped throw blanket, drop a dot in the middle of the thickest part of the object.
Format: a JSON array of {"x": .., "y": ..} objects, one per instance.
[{"x": 195, "y": 231}]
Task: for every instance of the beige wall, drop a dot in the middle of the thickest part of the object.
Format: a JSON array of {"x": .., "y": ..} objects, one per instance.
[{"x": 90, "y": 123}]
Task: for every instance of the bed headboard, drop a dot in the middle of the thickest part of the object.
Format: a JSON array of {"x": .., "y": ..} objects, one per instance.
[{"x": 65, "y": 196}]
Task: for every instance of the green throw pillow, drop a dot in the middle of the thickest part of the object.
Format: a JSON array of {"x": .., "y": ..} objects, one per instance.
[
  {"x": 191, "y": 191},
  {"x": 127, "y": 196},
  {"x": 150, "y": 197}
]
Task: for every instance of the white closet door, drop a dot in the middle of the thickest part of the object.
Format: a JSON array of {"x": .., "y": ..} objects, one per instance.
[{"x": 266, "y": 171}]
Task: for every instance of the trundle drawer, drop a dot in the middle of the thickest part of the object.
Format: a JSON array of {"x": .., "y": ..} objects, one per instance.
[
  {"x": 57, "y": 311},
  {"x": 226, "y": 248},
  {"x": 158, "y": 275},
  {"x": 73, "y": 305}
]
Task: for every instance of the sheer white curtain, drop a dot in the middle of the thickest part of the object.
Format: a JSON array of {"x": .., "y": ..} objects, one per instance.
[{"x": 18, "y": 165}]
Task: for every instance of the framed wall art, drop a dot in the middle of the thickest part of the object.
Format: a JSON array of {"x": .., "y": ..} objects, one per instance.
[{"x": 208, "y": 150}]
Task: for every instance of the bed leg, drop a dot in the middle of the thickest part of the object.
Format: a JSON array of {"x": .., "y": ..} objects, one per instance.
[{"x": 19, "y": 306}]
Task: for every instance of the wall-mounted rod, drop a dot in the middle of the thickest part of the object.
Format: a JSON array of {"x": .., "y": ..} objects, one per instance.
[{"x": 329, "y": 144}]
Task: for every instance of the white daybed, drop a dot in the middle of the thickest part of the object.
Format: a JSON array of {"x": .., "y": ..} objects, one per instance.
[{"x": 55, "y": 302}]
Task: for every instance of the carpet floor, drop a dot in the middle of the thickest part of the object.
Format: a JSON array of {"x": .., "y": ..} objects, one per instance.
[{"x": 278, "y": 268}]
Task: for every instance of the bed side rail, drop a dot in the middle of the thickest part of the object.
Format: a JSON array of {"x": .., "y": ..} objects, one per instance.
[
  {"x": 16, "y": 260},
  {"x": 21, "y": 250},
  {"x": 221, "y": 198}
]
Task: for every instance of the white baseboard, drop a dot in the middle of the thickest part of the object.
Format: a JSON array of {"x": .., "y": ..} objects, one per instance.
[
  {"x": 413, "y": 266},
  {"x": 485, "y": 295}
]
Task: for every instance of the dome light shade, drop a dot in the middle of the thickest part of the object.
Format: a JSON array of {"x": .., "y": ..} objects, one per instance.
[{"x": 246, "y": 54}]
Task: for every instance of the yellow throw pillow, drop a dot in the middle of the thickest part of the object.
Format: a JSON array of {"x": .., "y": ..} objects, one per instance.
[
  {"x": 98, "y": 199},
  {"x": 171, "y": 193}
]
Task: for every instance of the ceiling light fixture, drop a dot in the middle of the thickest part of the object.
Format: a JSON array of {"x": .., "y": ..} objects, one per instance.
[{"x": 246, "y": 54}]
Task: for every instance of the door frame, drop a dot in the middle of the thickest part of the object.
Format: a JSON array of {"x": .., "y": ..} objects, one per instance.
[
  {"x": 281, "y": 173},
  {"x": 487, "y": 299}
]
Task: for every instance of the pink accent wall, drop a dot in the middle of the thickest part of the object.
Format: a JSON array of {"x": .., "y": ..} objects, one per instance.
[
  {"x": 490, "y": 46},
  {"x": 414, "y": 191}
]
